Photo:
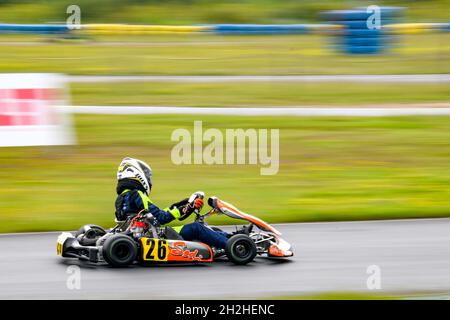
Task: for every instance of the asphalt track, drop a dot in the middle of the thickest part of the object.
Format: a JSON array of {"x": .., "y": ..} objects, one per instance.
[{"x": 413, "y": 256}]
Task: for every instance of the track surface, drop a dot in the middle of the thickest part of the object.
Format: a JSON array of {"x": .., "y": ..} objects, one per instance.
[{"x": 413, "y": 255}]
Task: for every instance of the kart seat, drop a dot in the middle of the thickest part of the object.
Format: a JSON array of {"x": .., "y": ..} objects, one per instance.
[{"x": 171, "y": 234}]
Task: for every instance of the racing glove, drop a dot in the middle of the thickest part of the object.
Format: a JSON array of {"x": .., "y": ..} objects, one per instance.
[
  {"x": 180, "y": 204},
  {"x": 198, "y": 204},
  {"x": 186, "y": 208}
]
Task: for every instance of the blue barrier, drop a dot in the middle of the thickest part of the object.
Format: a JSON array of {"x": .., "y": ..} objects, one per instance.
[
  {"x": 359, "y": 14},
  {"x": 360, "y": 24},
  {"x": 358, "y": 35},
  {"x": 367, "y": 33},
  {"x": 262, "y": 29},
  {"x": 219, "y": 29},
  {"x": 441, "y": 26},
  {"x": 348, "y": 22},
  {"x": 33, "y": 28},
  {"x": 353, "y": 41},
  {"x": 366, "y": 49}
]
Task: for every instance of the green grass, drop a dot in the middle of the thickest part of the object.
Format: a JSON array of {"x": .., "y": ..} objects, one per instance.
[
  {"x": 255, "y": 94},
  {"x": 330, "y": 169},
  {"x": 203, "y": 11},
  {"x": 216, "y": 55}
]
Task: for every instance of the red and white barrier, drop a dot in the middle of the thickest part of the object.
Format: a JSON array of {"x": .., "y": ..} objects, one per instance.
[{"x": 29, "y": 113}]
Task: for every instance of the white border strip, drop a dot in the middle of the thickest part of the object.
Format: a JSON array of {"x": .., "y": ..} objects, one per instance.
[
  {"x": 389, "y": 78},
  {"x": 306, "y": 111}
]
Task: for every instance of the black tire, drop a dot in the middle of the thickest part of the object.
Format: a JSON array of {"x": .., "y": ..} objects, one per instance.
[
  {"x": 119, "y": 250},
  {"x": 240, "y": 249}
]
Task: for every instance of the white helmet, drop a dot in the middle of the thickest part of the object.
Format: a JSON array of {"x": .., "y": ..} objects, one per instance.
[{"x": 137, "y": 170}]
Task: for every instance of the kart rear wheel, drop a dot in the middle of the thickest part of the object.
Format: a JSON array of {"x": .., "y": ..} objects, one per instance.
[
  {"x": 119, "y": 250},
  {"x": 240, "y": 249}
]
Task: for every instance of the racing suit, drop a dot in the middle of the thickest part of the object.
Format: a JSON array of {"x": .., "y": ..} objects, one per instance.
[{"x": 134, "y": 200}]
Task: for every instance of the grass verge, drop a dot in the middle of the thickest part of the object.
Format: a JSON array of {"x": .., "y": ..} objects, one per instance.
[
  {"x": 221, "y": 55},
  {"x": 330, "y": 169},
  {"x": 200, "y": 11},
  {"x": 256, "y": 94}
]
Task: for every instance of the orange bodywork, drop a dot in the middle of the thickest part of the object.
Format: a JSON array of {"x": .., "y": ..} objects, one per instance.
[
  {"x": 178, "y": 252},
  {"x": 260, "y": 223},
  {"x": 275, "y": 251}
]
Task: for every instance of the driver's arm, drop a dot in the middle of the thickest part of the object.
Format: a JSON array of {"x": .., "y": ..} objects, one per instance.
[
  {"x": 163, "y": 216},
  {"x": 185, "y": 209}
]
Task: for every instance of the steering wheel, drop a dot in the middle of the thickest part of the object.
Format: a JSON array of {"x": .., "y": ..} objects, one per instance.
[{"x": 191, "y": 201}]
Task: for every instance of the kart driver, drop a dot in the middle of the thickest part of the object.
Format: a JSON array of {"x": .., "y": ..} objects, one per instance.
[{"x": 134, "y": 183}]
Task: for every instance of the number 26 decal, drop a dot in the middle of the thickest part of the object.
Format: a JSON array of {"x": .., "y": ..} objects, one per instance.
[{"x": 155, "y": 249}]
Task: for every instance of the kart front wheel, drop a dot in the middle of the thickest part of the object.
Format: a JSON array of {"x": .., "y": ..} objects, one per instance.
[
  {"x": 240, "y": 249},
  {"x": 119, "y": 250}
]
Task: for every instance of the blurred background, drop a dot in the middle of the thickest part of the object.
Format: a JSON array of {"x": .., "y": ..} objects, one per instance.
[{"x": 331, "y": 168}]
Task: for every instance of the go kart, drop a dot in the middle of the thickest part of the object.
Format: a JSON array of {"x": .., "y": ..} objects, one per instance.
[{"x": 140, "y": 238}]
